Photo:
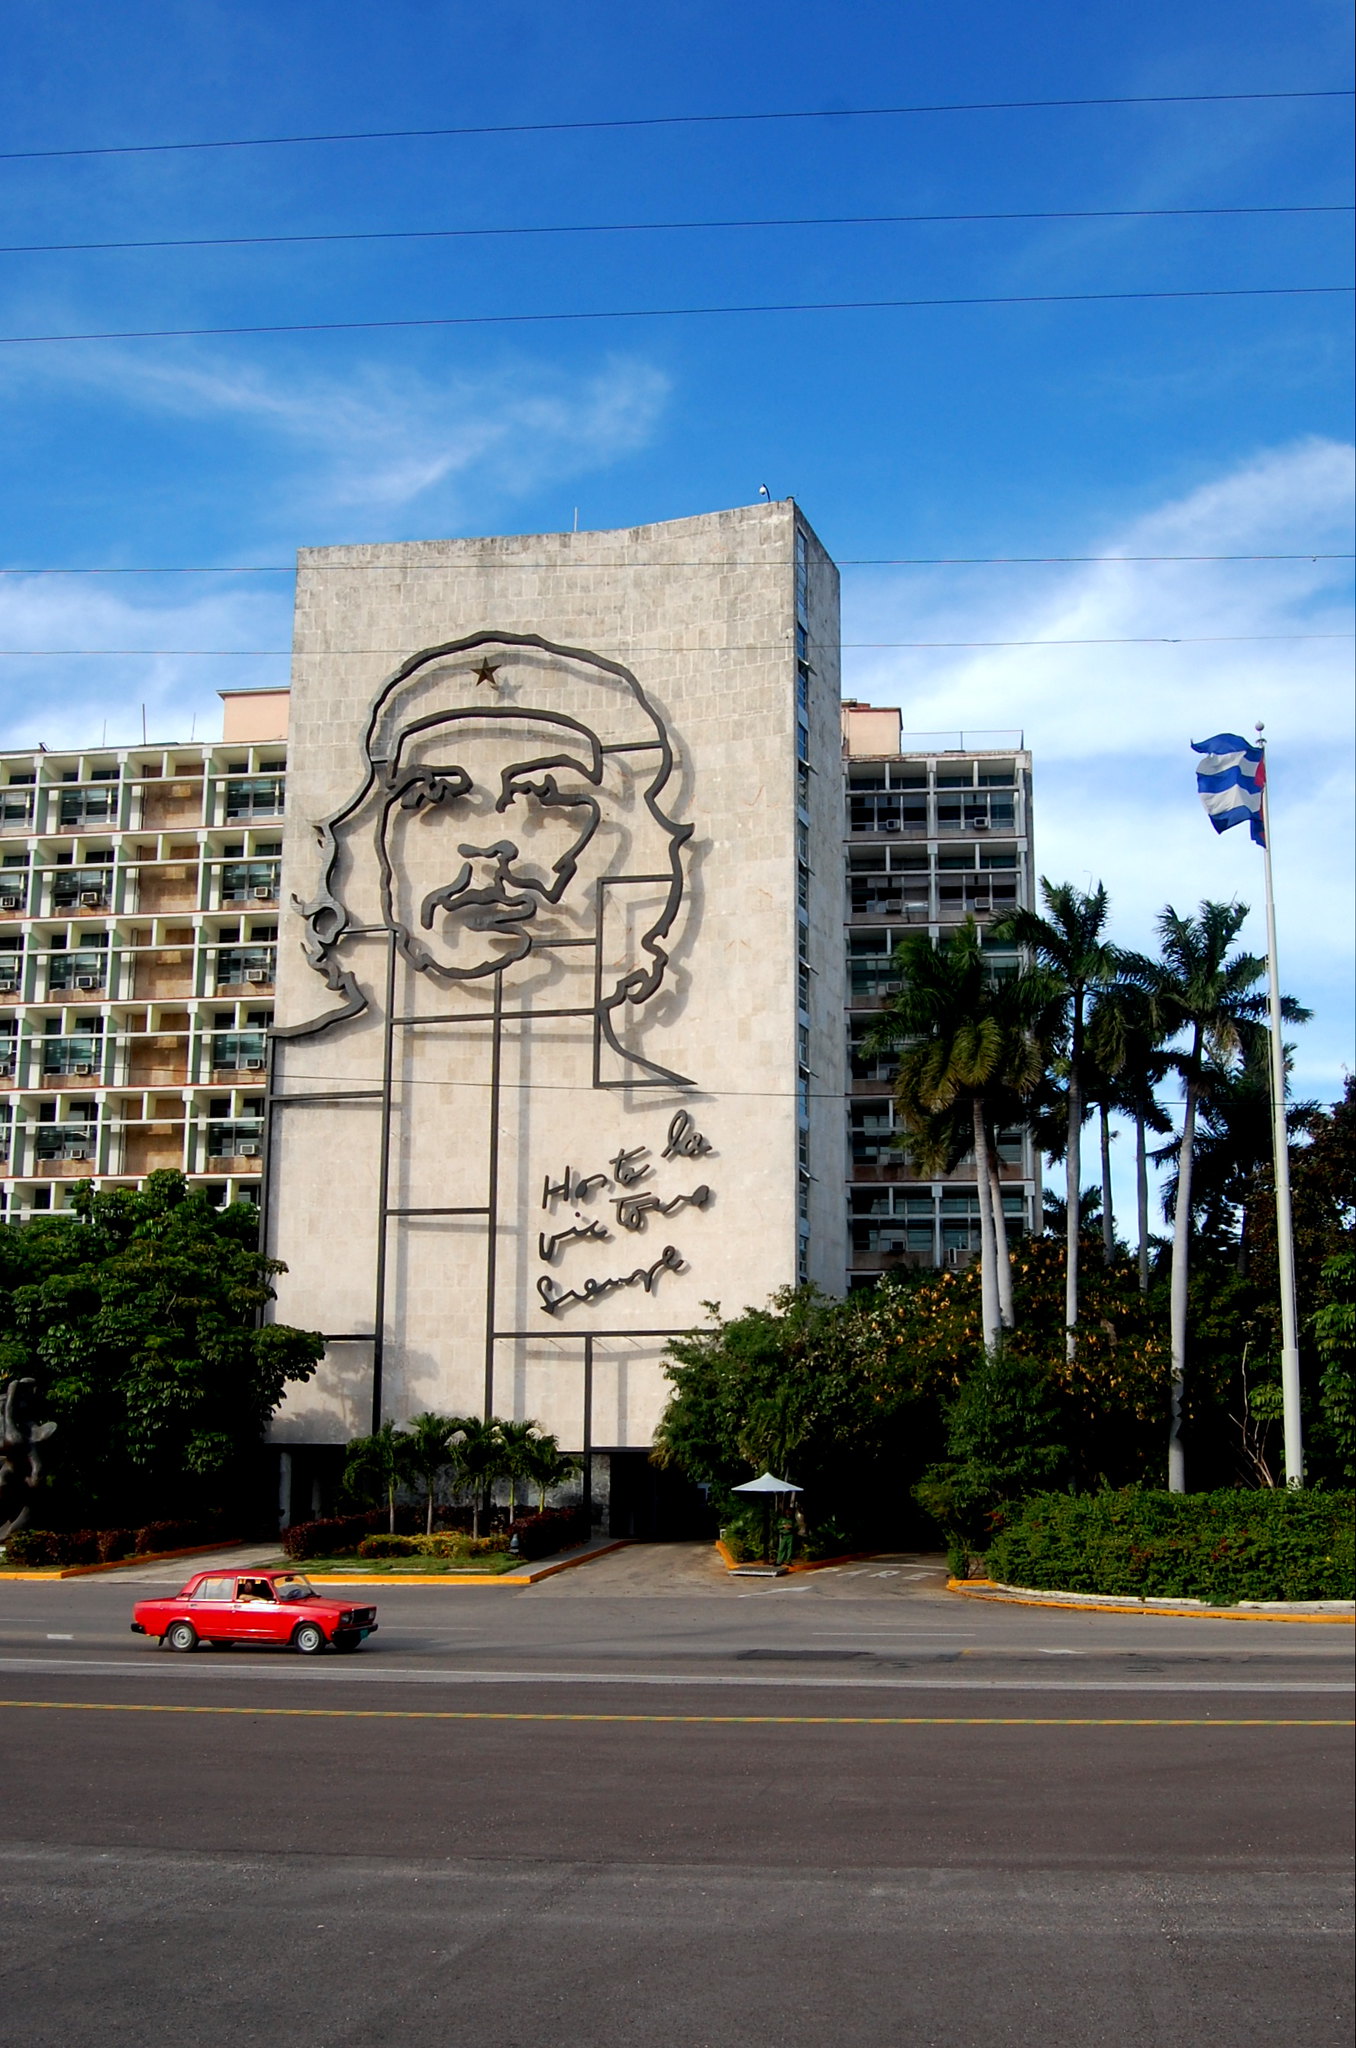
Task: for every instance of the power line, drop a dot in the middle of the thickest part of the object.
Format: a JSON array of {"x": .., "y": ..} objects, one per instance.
[
  {"x": 1262, "y": 291},
  {"x": 720, "y": 562},
  {"x": 1165, "y": 99},
  {"x": 655, "y": 227},
  {"x": 724, "y": 647}
]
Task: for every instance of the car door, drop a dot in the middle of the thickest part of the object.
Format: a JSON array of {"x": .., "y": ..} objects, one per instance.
[
  {"x": 212, "y": 1610},
  {"x": 255, "y": 1614}
]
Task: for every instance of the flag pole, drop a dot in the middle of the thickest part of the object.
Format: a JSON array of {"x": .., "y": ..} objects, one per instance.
[{"x": 1285, "y": 1233}]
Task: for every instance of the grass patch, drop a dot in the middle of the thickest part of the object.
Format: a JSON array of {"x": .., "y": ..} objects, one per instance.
[{"x": 414, "y": 1567}]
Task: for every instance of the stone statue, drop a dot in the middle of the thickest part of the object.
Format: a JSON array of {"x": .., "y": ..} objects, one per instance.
[{"x": 20, "y": 1464}]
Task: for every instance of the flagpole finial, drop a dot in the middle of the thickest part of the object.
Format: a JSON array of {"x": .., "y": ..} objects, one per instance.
[{"x": 1259, "y": 727}]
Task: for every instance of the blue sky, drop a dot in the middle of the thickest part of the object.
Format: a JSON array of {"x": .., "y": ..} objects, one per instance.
[{"x": 1157, "y": 426}]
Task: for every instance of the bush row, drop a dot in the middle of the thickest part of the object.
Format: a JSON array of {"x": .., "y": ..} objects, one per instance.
[
  {"x": 445, "y": 1543},
  {"x": 553, "y": 1529},
  {"x": 331, "y": 1536},
  {"x": 1271, "y": 1544},
  {"x": 44, "y": 1547}
]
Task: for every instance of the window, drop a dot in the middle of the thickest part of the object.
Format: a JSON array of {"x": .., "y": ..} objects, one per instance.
[
  {"x": 76, "y": 1053},
  {"x": 239, "y": 1049},
  {"x": 215, "y": 1589},
  {"x": 250, "y": 881},
  {"x": 236, "y": 1137},
  {"x": 83, "y": 888},
  {"x": 258, "y": 796},
  {"x": 16, "y": 808},
  {"x": 83, "y": 966},
  {"x": 88, "y": 806},
  {"x": 802, "y": 886},
  {"x": 248, "y": 964}
]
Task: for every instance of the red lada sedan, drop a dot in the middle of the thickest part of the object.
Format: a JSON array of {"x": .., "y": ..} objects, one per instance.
[{"x": 253, "y": 1607}]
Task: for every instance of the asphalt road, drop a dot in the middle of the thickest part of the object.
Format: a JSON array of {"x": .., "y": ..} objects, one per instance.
[{"x": 644, "y": 1803}]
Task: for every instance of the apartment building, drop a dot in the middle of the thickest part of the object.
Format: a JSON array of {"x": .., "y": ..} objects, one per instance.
[
  {"x": 934, "y": 834},
  {"x": 139, "y": 891}
]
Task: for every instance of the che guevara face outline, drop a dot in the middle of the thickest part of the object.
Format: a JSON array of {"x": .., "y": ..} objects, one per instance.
[
  {"x": 639, "y": 733},
  {"x": 500, "y": 882}
]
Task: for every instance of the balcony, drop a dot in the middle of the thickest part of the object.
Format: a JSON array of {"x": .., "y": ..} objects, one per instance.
[
  {"x": 76, "y": 1058},
  {"x": 66, "y": 1149},
  {"x": 246, "y": 966}
]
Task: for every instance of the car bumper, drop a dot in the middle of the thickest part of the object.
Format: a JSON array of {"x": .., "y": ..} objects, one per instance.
[{"x": 138, "y": 1629}]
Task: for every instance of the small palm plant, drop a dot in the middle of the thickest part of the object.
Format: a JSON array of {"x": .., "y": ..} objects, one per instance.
[
  {"x": 481, "y": 1459},
  {"x": 374, "y": 1467},
  {"x": 518, "y": 1439},
  {"x": 546, "y": 1465},
  {"x": 430, "y": 1442}
]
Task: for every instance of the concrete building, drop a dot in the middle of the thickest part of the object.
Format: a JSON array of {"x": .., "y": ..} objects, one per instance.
[
  {"x": 933, "y": 834},
  {"x": 138, "y": 938},
  {"x": 559, "y": 1054}
]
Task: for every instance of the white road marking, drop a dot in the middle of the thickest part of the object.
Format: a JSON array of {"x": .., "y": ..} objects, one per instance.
[
  {"x": 60, "y": 1639},
  {"x": 155, "y": 1667}
]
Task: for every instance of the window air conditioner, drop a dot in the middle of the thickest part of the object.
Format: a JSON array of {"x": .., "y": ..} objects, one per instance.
[
  {"x": 246, "y": 1151},
  {"x": 891, "y": 988},
  {"x": 256, "y": 974},
  {"x": 91, "y": 898},
  {"x": 263, "y": 893},
  {"x": 252, "y": 1066},
  {"x": 8, "y": 984},
  {"x": 979, "y": 824},
  {"x": 77, "y": 1152},
  {"x": 889, "y": 825},
  {"x": 83, "y": 1067},
  {"x": 9, "y": 903},
  {"x": 87, "y": 981}
]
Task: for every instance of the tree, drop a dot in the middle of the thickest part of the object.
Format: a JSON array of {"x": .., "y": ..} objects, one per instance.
[
  {"x": 429, "y": 1442},
  {"x": 374, "y": 1469},
  {"x": 545, "y": 1465},
  {"x": 969, "y": 1046},
  {"x": 1003, "y": 1443},
  {"x": 1199, "y": 992},
  {"x": 1128, "y": 1048},
  {"x": 139, "y": 1317},
  {"x": 1335, "y": 1336},
  {"x": 1069, "y": 943},
  {"x": 518, "y": 1439},
  {"x": 481, "y": 1460}
]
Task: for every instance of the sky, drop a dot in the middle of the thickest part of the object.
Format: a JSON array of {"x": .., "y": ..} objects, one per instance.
[{"x": 1063, "y": 426}]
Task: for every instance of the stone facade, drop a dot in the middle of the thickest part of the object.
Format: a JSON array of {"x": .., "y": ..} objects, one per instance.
[{"x": 574, "y": 891}]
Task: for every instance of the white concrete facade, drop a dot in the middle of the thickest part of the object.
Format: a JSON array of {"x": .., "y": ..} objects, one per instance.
[{"x": 586, "y": 854}]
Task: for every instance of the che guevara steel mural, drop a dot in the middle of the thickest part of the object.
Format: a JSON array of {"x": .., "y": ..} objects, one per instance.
[{"x": 512, "y": 842}]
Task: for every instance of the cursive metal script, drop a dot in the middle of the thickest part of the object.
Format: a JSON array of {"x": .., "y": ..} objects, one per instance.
[
  {"x": 685, "y": 1140},
  {"x": 548, "y": 1246},
  {"x": 571, "y": 1187},
  {"x": 633, "y": 1210},
  {"x": 554, "y": 1298}
]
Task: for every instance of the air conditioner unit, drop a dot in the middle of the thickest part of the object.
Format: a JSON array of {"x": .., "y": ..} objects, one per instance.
[
  {"x": 252, "y": 1066},
  {"x": 8, "y": 984},
  {"x": 9, "y": 902},
  {"x": 891, "y": 988},
  {"x": 979, "y": 824},
  {"x": 263, "y": 893},
  {"x": 889, "y": 825},
  {"x": 76, "y": 1152},
  {"x": 91, "y": 898},
  {"x": 247, "y": 1151},
  {"x": 83, "y": 1067},
  {"x": 87, "y": 981},
  {"x": 257, "y": 974}
]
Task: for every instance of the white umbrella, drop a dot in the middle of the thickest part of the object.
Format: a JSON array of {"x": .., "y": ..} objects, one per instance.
[{"x": 766, "y": 1482}]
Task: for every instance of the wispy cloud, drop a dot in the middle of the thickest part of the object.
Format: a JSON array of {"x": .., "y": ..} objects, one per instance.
[{"x": 377, "y": 440}]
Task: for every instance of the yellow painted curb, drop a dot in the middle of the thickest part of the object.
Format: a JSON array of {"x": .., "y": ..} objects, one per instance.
[{"x": 986, "y": 1589}]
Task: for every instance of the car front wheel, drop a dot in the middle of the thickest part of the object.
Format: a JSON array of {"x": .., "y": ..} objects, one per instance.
[
  {"x": 309, "y": 1639},
  {"x": 181, "y": 1635}
]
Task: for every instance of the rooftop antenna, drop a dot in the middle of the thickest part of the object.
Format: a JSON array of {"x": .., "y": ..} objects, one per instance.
[
  {"x": 143, "y": 725},
  {"x": 576, "y": 519}
]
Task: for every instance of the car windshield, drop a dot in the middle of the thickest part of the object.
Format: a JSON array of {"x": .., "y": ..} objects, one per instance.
[{"x": 294, "y": 1586}]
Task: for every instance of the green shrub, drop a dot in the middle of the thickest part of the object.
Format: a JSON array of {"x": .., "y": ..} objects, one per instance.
[
  {"x": 1272, "y": 1544},
  {"x": 445, "y": 1545},
  {"x": 389, "y": 1546}
]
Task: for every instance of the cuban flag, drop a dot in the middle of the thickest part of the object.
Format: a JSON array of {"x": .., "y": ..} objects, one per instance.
[{"x": 1231, "y": 777}]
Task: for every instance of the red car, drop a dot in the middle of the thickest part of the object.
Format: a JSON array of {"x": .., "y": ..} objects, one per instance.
[{"x": 253, "y": 1607}]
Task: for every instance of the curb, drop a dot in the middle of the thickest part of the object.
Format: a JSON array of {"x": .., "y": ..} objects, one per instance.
[
  {"x": 1090, "y": 1603},
  {"x": 817, "y": 1564},
  {"x": 544, "y": 1571},
  {"x": 120, "y": 1564}
]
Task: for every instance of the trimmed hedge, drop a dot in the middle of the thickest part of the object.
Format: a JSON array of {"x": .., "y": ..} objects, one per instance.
[
  {"x": 542, "y": 1535},
  {"x": 1271, "y": 1544},
  {"x": 448, "y": 1544},
  {"x": 41, "y": 1548}
]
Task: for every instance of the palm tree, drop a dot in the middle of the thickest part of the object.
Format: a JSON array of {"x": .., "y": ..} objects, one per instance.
[
  {"x": 376, "y": 1465},
  {"x": 1128, "y": 1048},
  {"x": 1198, "y": 991},
  {"x": 546, "y": 1465},
  {"x": 481, "y": 1460},
  {"x": 1069, "y": 944},
  {"x": 429, "y": 1441},
  {"x": 518, "y": 1439},
  {"x": 969, "y": 1045}
]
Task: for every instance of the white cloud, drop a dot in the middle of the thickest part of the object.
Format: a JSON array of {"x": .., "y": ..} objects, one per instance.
[{"x": 1109, "y": 725}]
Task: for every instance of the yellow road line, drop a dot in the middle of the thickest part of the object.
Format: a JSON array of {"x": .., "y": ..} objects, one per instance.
[{"x": 683, "y": 1720}]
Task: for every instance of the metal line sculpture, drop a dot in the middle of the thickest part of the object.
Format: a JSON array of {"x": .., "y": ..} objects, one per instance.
[{"x": 494, "y": 889}]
